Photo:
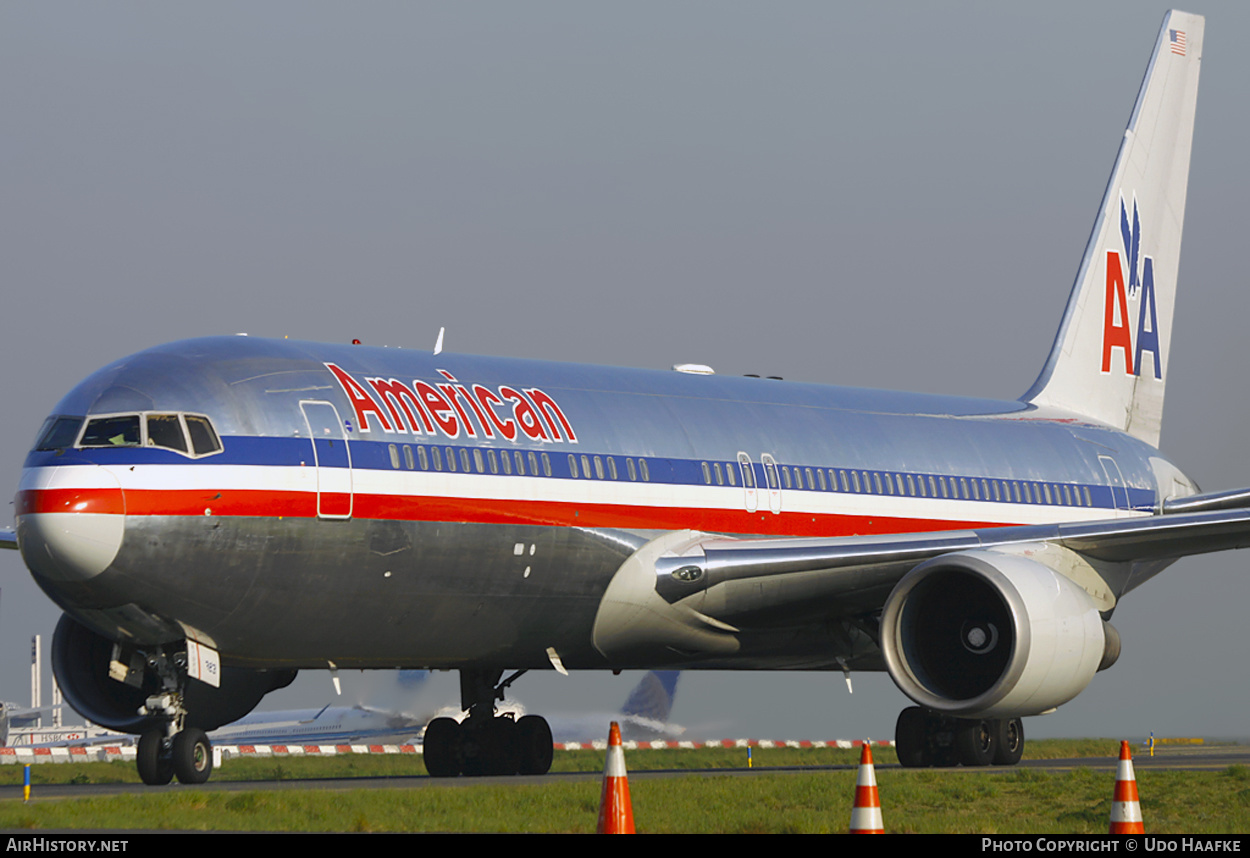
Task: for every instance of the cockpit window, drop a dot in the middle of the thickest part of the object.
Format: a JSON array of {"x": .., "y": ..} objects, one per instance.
[
  {"x": 203, "y": 438},
  {"x": 58, "y": 433},
  {"x": 165, "y": 430},
  {"x": 122, "y": 431},
  {"x": 188, "y": 434}
]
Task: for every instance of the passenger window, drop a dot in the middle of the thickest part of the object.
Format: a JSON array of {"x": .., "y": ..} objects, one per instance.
[
  {"x": 421, "y": 458},
  {"x": 547, "y": 466},
  {"x": 408, "y": 456},
  {"x": 644, "y": 470},
  {"x": 391, "y": 448},
  {"x": 494, "y": 461},
  {"x": 478, "y": 462},
  {"x": 573, "y": 465},
  {"x": 451, "y": 459},
  {"x": 629, "y": 466},
  {"x": 520, "y": 463},
  {"x": 533, "y": 457}
]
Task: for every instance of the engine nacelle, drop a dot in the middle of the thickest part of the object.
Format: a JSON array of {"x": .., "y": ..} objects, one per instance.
[
  {"x": 985, "y": 634},
  {"x": 80, "y": 662}
]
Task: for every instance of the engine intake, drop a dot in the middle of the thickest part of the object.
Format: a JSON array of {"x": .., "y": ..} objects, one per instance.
[
  {"x": 987, "y": 634},
  {"x": 80, "y": 662}
]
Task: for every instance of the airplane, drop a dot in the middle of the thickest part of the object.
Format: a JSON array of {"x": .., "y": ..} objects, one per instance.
[
  {"x": 643, "y": 717},
  {"x": 329, "y": 725},
  {"x": 215, "y": 514}
]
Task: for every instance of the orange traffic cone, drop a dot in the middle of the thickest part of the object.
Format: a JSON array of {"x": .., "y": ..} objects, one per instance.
[
  {"x": 1125, "y": 808},
  {"x": 616, "y": 815},
  {"x": 866, "y": 812}
]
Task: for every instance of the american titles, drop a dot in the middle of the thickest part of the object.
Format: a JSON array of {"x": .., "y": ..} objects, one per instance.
[{"x": 454, "y": 409}]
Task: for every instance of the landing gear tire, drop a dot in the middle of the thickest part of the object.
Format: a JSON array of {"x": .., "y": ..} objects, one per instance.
[
  {"x": 923, "y": 739},
  {"x": 975, "y": 743},
  {"x": 155, "y": 769},
  {"x": 1009, "y": 741},
  {"x": 441, "y": 748},
  {"x": 192, "y": 756},
  {"x": 502, "y": 758},
  {"x": 910, "y": 739},
  {"x": 534, "y": 746}
]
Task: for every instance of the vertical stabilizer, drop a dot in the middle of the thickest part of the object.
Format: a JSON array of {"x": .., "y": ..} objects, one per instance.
[{"x": 1110, "y": 358}]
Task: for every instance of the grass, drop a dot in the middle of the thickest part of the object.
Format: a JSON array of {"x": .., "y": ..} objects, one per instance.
[{"x": 932, "y": 801}]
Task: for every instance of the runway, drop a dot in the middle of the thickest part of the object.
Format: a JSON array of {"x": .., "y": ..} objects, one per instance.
[{"x": 1168, "y": 757}]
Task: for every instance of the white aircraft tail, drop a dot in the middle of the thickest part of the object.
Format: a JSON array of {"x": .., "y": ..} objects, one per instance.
[{"x": 1110, "y": 358}]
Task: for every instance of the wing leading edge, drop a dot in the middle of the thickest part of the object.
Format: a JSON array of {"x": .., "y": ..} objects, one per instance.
[{"x": 972, "y": 623}]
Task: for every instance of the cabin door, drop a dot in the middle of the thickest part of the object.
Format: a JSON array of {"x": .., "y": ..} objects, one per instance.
[
  {"x": 331, "y": 457},
  {"x": 1115, "y": 479}
]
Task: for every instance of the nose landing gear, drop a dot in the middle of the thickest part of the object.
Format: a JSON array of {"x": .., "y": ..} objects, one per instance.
[{"x": 175, "y": 750}]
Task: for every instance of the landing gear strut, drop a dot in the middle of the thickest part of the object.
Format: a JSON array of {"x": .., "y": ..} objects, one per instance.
[
  {"x": 485, "y": 743},
  {"x": 175, "y": 750},
  {"x": 924, "y": 738}
]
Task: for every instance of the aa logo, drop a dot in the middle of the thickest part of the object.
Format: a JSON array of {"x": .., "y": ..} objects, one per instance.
[{"x": 1138, "y": 273}]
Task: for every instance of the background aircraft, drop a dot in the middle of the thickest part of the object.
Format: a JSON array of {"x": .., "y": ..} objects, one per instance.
[{"x": 90, "y": 231}]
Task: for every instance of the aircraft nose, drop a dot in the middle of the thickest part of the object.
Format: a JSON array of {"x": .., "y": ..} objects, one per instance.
[{"x": 70, "y": 522}]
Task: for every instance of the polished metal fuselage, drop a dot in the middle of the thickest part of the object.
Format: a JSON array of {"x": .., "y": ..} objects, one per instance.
[{"x": 476, "y": 567}]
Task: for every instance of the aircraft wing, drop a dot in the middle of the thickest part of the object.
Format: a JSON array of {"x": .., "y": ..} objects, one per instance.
[
  {"x": 983, "y": 622},
  {"x": 8, "y": 538},
  {"x": 844, "y": 567}
]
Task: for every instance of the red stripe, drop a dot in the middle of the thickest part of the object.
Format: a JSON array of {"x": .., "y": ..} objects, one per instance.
[
  {"x": 273, "y": 504},
  {"x": 1126, "y": 791},
  {"x": 866, "y": 796},
  {"x": 108, "y": 501}
]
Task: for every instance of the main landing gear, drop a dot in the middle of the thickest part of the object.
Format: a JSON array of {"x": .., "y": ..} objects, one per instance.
[
  {"x": 485, "y": 743},
  {"x": 924, "y": 738}
]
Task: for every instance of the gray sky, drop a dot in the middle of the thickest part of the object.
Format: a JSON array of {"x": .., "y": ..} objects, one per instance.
[{"x": 885, "y": 195}]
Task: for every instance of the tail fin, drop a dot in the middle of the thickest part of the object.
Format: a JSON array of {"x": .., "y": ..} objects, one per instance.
[
  {"x": 653, "y": 697},
  {"x": 1110, "y": 358}
]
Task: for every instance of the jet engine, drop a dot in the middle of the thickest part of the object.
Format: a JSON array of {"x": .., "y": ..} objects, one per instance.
[
  {"x": 987, "y": 634},
  {"x": 81, "y": 660}
]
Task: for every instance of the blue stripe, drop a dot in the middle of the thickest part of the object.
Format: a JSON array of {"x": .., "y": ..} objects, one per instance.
[{"x": 375, "y": 455}]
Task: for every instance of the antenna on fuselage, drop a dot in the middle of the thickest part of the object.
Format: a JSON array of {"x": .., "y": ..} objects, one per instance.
[{"x": 438, "y": 344}]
